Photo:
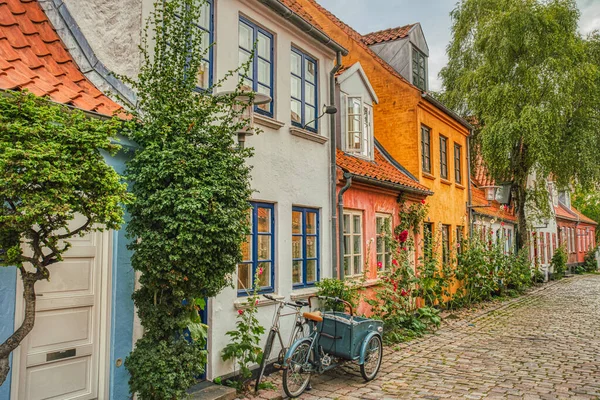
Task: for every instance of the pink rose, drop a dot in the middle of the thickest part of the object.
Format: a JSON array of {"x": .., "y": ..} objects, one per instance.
[
  {"x": 260, "y": 271},
  {"x": 394, "y": 262},
  {"x": 403, "y": 236},
  {"x": 240, "y": 312},
  {"x": 379, "y": 265}
]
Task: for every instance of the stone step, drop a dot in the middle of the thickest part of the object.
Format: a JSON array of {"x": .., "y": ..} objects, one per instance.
[{"x": 210, "y": 391}]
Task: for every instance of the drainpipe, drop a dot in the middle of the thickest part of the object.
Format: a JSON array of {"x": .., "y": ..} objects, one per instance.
[
  {"x": 348, "y": 178},
  {"x": 469, "y": 209},
  {"x": 332, "y": 165}
]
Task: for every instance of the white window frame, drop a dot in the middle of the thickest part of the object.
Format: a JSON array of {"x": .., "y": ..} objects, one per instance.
[
  {"x": 386, "y": 255},
  {"x": 366, "y": 127},
  {"x": 353, "y": 269}
]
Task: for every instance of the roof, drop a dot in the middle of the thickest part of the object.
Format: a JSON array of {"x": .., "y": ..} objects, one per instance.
[
  {"x": 583, "y": 218},
  {"x": 296, "y": 7},
  {"x": 562, "y": 212},
  {"x": 481, "y": 175},
  {"x": 356, "y": 68},
  {"x": 381, "y": 169},
  {"x": 387, "y": 35},
  {"x": 495, "y": 209},
  {"x": 33, "y": 58}
]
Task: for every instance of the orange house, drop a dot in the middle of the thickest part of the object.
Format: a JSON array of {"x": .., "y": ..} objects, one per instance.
[{"x": 425, "y": 137}]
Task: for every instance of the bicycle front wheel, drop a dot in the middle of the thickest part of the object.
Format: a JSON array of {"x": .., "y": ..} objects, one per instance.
[
  {"x": 373, "y": 355},
  {"x": 265, "y": 358},
  {"x": 296, "y": 376}
]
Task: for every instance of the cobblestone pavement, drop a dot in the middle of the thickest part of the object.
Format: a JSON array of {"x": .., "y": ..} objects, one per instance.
[{"x": 545, "y": 345}]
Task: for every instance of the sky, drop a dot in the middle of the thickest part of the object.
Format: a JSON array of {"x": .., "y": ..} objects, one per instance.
[{"x": 373, "y": 15}]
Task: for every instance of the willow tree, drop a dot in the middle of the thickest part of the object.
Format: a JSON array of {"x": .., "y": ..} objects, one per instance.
[
  {"x": 522, "y": 70},
  {"x": 51, "y": 170}
]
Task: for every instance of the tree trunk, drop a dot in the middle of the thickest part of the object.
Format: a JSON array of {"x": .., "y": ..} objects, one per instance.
[
  {"x": 520, "y": 198},
  {"x": 26, "y": 326}
]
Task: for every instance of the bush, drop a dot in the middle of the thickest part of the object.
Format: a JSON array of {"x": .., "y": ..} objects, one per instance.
[
  {"x": 590, "y": 264},
  {"x": 559, "y": 262},
  {"x": 349, "y": 291}
]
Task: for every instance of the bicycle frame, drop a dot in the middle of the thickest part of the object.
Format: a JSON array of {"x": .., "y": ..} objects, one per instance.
[{"x": 276, "y": 326}]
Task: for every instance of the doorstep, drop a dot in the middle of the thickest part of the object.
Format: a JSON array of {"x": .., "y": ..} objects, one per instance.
[{"x": 210, "y": 391}]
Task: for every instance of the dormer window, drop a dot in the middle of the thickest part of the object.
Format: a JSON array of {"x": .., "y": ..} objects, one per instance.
[
  {"x": 358, "y": 122},
  {"x": 419, "y": 69}
]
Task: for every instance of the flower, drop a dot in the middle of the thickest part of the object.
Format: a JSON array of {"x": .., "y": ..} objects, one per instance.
[
  {"x": 502, "y": 224},
  {"x": 403, "y": 293},
  {"x": 240, "y": 312},
  {"x": 394, "y": 262},
  {"x": 405, "y": 249},
  {"x": 260, "y": 271},
  {"x": 403, "y": 236},
  {"x": 423, "y": 201},
  {"x": 458, "y": 245},
  {"x": 256, "y": 302},
  {"x": 379, "y": 265}
]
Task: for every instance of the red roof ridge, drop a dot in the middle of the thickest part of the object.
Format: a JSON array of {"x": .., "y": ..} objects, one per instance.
[
  {"x": 389, "y": 34},
  {"x": 34, "y": 58}
]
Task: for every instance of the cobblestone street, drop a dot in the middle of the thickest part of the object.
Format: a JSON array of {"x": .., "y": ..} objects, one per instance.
[{"x": 545, "y": 345}]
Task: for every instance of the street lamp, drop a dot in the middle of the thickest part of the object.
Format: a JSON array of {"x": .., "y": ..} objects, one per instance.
[{"x": 244, "y": 104}]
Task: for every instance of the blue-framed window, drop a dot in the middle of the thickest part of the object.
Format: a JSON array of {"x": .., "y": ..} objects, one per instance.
[
  {"x": 258, "y": 251},
  {"x": 204, "y": 75},
  {"x": 304, "y": 90},
  {"x": 259, "y": 77},
  {"x": 306, "y": 252}
]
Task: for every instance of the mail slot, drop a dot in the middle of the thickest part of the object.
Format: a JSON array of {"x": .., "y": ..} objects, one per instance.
[{"x": 59, "y": 355}]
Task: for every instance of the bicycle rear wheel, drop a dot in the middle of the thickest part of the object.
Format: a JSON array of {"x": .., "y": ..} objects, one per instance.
[
  {"x": 295, "y": 376},
  {"x": 265, "y": 358},
  {"x": 373, "y": 355}
]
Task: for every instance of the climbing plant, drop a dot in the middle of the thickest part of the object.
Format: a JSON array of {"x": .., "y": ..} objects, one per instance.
[
  {"x": 192, "y": 189},
  {"x": 51, "y": 170}
]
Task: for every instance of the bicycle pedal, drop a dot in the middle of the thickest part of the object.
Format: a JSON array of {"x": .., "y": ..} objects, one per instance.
[{"x": 277, "y": 365}]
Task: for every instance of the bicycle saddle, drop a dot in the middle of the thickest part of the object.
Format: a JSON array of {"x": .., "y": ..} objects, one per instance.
[{"x": 313, "y": 316}]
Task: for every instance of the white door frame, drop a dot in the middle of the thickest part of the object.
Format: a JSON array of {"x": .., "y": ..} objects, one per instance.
[{"x": 104, "y": 242}]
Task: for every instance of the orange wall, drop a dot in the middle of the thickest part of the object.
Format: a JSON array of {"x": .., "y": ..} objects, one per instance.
[{"x": 397, "y": 120}]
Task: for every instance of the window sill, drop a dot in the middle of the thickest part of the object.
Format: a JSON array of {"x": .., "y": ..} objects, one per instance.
[
  {"x": 268, "y": 121},
  {"x": 242, "y": 304},
  {"x": 303, "y": 293},
  {"x": 459, "y": 186},
  {"x": 303, "y": 133},
  {"x": 445, "y": 182},
  {"x": 428, "y": 176}
]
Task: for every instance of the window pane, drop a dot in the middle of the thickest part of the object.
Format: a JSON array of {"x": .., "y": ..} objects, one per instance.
[
  {"x": 297, "y": 272},
  {"x": 311, "y": 69},
  {"x": 245, "y": 36},
  {"x": 265, "y": 278},
  {"x": 353, "y": 105},
  {"x": 264, "y": 220},
  {"x": 265, "y": 90},
  {"x": 205, "y": 41},
  {"x": 347, "y": 223},
  {"x": 296, "y": 222},
  {"x": 311, "y": 271},
  {"x": 309, "y": 94},
  {"x": 244, "y": 58},
  {"x": 357, "y": 265},
  {"x": 264, "y": 46},
  {"x": 264, "y": 72},
  {"x": 347, "y": 247},
  {"x": 296, "y": 64},
  {"x": 347, "y": 265},
  {"x": 247, "y": 249},
  {"x": 297, "y": 247},
  {"x": 296, "y": 87},
  {"x": 202, "y": 79},
  {"x": 357, "y": 228},
  {"x": 357, "y": 244},
  {"x": 311, "y": 223},
  {"x": 311, "y": 247},
  {"x": 264, "y": 247},
  {"x": 380, "y": 244},
  {"x": 354, "y": 123},
  {"x": 296, "y": 107},
  {"x": 204, "y": 21},
  {"x": 244, "y": 276},
  {"x": 309, "y": 115},
  {"x": 247, "y": 85}
]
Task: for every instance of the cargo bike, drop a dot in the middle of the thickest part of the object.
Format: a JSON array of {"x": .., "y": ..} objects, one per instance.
[{"x": 335, "y": 338}]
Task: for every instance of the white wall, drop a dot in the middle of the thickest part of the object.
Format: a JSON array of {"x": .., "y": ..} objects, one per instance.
[{"x": 494, "y": 225}]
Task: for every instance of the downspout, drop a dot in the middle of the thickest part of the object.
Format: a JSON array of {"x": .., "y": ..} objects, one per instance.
[
  {"x": 332, "y": 164},
  {"x": 469, "y": 208},
  {"x": 348, "y": 178}
]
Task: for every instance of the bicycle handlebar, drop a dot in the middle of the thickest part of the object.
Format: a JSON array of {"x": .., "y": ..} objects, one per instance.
[
  {"x": 291, "y": 304},
  {"x": 335, "y": 300}
]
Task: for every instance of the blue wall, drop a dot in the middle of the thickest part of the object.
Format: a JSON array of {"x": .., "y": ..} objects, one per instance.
[{"x": 8, "y": 287}]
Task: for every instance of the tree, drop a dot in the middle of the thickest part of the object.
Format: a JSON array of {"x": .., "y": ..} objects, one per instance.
[
  {"x": 520, "y": 69},
  {"x": 51, "y": 169},
  {"x": 588, "y": 202},
  {"x": 192, "y": 191}
]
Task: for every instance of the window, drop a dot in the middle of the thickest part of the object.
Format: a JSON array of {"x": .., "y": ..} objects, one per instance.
[
  {"x": 419, "y": 69},
  {"x": 259, "y": 76},
  {"x": 383, "y": 225},
  {"x": 542, "y": 248},
  {"x": 457, "y": 164},
  {"x": 305, "y": 246},
  {"x": 553, "y": 242},
  {"x": 426, "y": 149},
  {"x": 509, "y": 241},
  {"x": 257, "y": 251},
  {"x": 304, "y": 90},
  {"x": 548, "y": 247},
  {"x": 428, "y": 240},
  {"x": 446, "y": 243},
  {"x": 443, "y": 157},
  {"x": 573, "y": 249},
  {"x": 459, "y": 238},
  {"x": 358, "y": 120},
  {"x": 353, "y": 243}
]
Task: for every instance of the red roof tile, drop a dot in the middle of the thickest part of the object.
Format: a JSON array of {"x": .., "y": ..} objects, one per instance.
[
  {"x": 481, "y": 175},
  {"x": 296, "y": 7},
  {"x": 495, "y": 209},
  {"x": 380, "y": 169},
  {"x": 387, "y": 35},
  {"x": 583, "y": 218},
  {"x": 33, "y": 57},
  {"x": 563, "y": 212}
]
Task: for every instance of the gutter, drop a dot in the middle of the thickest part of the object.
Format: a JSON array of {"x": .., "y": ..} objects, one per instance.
[
  {"x": 303, "y": 25},
  {"x": 332, "y": 165},
  {"x": 469, "y": 193},
  {"x": 448, "y": 111},
  {"x": 348, "y": 178},
  {"x": 389, "y": 185}
]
